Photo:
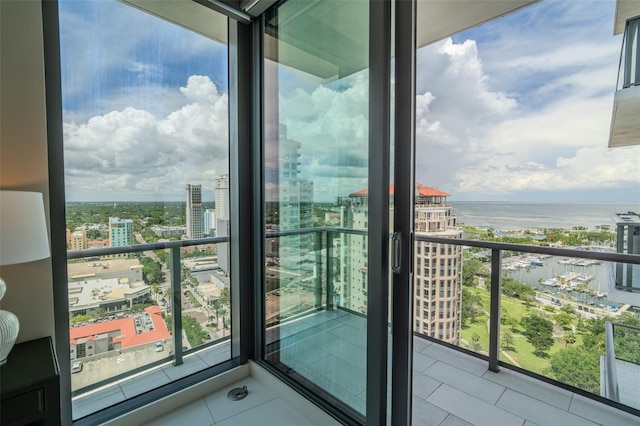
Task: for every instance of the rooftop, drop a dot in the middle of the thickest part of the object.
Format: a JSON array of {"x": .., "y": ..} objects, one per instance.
[
  {"x": 128, "y": 335},
  {"x": 110, "y": 266},
  {"x": 94, "y": 291},
  {"x": 424, "y": 191}
]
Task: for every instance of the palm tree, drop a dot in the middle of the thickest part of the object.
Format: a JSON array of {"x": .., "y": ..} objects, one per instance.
[
  {"x": 223, "y": 313},
  {"x": 155, "y": 289}
]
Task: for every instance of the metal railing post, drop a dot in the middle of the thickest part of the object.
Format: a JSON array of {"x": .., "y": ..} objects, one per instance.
[
  {"x": 329, "y": 272},
  {"x": 611, "y": 374},
  {"x": 494, "y": 310},
  {"x": 318, "y": 270},
  {"x": 176, "y": 300}
]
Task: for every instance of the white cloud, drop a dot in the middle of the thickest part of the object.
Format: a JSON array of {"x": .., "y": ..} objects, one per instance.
[
  {"x": 589, "y": 168},
  {"x": 531, "y": 112},
  {"x": 130, "y": 154},
  {"x": 331, "y": 123}
]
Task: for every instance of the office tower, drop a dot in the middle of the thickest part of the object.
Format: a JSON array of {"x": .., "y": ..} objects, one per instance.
[
  {"x": 194, "y": 211},
  {"x": 222, "y": 197},
  {"x": 120, "y": 232},
  {"x": 296, "y": 204},
  {"x": 222, "y": 215},
  {"x": 437, "y": 267},
  {"x": 209, "y": 224}
]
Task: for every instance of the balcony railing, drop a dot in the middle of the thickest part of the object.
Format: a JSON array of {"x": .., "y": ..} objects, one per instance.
[
  {"x": 629, "y": 74},
  {"x": 621, "y": 372},
  {"x": 175, "y": 303},
  {"x": 303, "y": 285},
  {"x": 331, "y": 240}
]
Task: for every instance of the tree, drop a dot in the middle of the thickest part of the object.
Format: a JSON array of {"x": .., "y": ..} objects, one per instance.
[
  {"x": 564, "y": 320},
  {"x": 223, "y": 313},
  {"x": 517, "y": 289},
  {"x": 470, "y": 306},
  {"x": 577, "y": 367},
  {"x": 475, "y": 343},
  {"x": 155, "y": 289},
  {"x": 151, "y": 271},
  {"x": 507, "y": 338},
  {"x": 569, "y": 339},
  {"x": 539, "y": 332},
  {"x": 470, "y": 269}
]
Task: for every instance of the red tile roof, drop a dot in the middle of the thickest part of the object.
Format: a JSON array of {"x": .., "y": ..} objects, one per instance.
[
  {"x": 127, "y": 329},
  {"x": 422, "y": 190}
]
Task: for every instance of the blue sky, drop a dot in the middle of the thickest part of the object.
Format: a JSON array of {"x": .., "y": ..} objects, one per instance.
[
  {"x": 115, "y": 56},
  {"x": 516, "y": 109}
]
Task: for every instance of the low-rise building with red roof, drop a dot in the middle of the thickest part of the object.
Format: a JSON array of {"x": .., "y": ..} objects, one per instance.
[{"x": 138, "y": 329}]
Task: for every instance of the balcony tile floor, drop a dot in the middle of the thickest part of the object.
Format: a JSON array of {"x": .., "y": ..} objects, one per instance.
[{"x": 449, "y": 387}]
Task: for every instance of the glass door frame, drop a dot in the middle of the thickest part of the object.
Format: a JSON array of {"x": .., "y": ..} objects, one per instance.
[
  {"x": 378, "y": 297},
  {"x": 404, "y": 180}
]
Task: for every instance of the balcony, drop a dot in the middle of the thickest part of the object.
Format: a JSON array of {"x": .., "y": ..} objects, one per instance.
[
  {"x": 128, "y": 338},
  {"x": 626, "y": 106},
  {"x": 315, "y": 339}
]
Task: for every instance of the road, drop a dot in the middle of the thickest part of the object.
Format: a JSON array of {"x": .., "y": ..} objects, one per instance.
[{"x": 151, "y": 254}]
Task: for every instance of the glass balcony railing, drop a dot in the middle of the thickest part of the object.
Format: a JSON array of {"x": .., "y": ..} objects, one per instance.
[
  {"x": 629, "y": 74},
  {"x": 620, "y": 366},
  {"x": 538, "y": 310},
  {"x": 133, "y": 309},
  {"x": 543, "y": 311}
]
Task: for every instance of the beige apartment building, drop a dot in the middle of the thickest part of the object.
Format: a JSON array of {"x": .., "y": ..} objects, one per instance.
[
  {"x": 437, "y": 267},
  {"x": 76, "y": 240}
]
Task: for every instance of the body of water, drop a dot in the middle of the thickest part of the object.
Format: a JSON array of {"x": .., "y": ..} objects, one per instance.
[
  {"x": 517, "y": 215},
  {"x": 595, "y": 279}
]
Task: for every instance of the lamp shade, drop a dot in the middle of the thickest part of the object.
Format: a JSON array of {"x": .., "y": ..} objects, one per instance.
[{"x": 23, "y": 227}]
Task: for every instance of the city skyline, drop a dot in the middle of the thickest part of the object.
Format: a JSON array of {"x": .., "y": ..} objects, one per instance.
[{"x": 473, "y": 90}]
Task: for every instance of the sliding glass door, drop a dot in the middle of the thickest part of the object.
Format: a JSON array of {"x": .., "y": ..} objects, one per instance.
[{"x": 326, "y": 176}]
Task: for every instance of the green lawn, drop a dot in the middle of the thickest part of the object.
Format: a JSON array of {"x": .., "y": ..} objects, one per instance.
[{"x": 522, "y": 351}]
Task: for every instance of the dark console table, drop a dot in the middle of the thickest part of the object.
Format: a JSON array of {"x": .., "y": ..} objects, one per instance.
[{"x": 30, "y": 383}]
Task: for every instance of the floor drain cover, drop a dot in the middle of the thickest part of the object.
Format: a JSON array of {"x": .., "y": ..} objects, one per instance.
[{"x": 236, "y": 394}]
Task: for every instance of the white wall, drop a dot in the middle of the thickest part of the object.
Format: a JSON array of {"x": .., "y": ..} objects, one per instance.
[{"x": 23, "y": 155}]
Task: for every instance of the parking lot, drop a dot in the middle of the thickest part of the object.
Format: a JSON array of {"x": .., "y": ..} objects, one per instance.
[{"x": 105, "y": 366}]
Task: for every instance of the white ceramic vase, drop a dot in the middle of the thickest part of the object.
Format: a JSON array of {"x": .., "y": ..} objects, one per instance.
[{"x": 9, "y": 327}]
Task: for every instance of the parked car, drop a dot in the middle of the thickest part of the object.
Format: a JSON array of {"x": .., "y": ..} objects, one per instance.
[
  {"x": 184, "y": 349},
  {"x": 76, "y": 367},
  {"x": 159, "y": 347}
]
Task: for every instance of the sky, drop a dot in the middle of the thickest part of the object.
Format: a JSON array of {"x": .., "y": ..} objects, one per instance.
[{"x": 516, "y": 109}]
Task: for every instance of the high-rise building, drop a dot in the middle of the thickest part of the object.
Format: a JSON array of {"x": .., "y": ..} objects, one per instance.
[
  {"x": 437, "y": 267},
  {"x": 296, "y": 203},
  {"x": 222, "y": 197},
  {"x": 120, "y": 232},
  {"x": 209, "y": 224},
  {"x": 221, "y": 224},
  {"x": 194, "y": 212}
]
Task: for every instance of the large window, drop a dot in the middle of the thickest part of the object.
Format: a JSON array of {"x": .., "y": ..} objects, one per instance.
[
  {"x": 146, "y": 144},
  {"x": 512, "y": 126}
]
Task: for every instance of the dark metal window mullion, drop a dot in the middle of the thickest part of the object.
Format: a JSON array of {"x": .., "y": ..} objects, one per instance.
[
  {"x": 378, "y": 244},
  {"x": 240, "y": 189},
  {"x": 404, "y": 176}
]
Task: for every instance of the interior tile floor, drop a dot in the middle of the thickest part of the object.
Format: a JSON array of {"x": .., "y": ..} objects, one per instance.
[{"x": 260, "y": 407}]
